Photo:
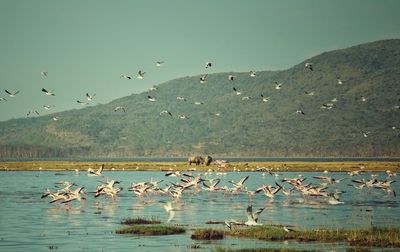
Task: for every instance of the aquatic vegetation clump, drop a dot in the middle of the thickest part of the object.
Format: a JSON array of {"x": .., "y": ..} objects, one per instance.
[
  {"x": 376, "y": 237},
  {"x": 150, "y": 230},
  {"x": 207, "y": 234},
  {"x": 140, "y": 221}
]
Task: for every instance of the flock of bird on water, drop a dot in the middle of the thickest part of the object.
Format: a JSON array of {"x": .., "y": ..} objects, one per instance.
[{"x": 193, "y": 183}]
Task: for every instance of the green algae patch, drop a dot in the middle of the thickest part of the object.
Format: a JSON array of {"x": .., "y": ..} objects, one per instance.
[
  {"x": 207, "y": 234},
  {"x": 151, "y": 230}
]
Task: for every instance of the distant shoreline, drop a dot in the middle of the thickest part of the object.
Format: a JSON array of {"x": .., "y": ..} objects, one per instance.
[
  {"x": 276, "y": 166},
  {"x": 184, "y": 159}
]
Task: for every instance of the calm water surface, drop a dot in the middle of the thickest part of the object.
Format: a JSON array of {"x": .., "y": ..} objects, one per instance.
[{"x": 29, "y": 223}]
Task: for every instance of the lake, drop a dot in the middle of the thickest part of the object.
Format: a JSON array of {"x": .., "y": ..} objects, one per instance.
[{"x": 29, "y": 223}]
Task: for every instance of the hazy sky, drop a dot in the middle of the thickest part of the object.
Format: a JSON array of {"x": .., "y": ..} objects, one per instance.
[{"x": 86, "y": 45}]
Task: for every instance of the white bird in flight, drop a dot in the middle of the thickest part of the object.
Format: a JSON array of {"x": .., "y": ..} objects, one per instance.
[
  {"x": 141, "y": 75},
  {"x": 253, "y": 73},
  {"x": 231, "y": 77},
  {"x": 48, "y": 107},
  {"x": 165, "y": 112},
  {"x": 309, "y": 66},
  {"x": 159, "y": 63},
  {"x": 120, "y": 108},
  {"x": 11, "y": 94},
  {"x": 208, "y": 64},
  {"x": 83, "y": 103},
  {"x": 238, "y": 92},
  {"x": 90, "y": 97},
  {"x": 151, "y": 98},
  {"x": 47, "y": 92},
  {"x": 264, "y": 99},
  {"x": 278, "y": 85},
  {"x": 203, "y": 79},
  {"x": 126, "y": 76}
]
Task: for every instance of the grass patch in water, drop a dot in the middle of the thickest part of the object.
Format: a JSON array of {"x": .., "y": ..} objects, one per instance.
[
  {"x": 140, "y": 221},
  {"x": 150, "y": 230},
  {"x": 207, "y": 234},
  {"x": 373, "y": 237},
  {"x": 259, "y": 250}
]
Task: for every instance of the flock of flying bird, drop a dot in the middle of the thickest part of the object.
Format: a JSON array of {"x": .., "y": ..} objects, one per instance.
[
  {"x": 203, "y": 79},
  {"x": 323, "y": 187}
]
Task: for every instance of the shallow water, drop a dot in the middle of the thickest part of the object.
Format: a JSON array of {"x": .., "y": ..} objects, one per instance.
[{"x": 29, "y": 223}]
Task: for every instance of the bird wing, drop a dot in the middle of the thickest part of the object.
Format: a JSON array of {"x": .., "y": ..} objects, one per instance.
[{"x": 257, "y": 213}]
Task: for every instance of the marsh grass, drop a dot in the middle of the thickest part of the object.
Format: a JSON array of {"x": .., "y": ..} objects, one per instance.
[
  {"x": 373, "y": 237},
  {"x": 207, "y": 234},
  {"x": 140, "y": 221},
  {"x": 150, "y": 230}
]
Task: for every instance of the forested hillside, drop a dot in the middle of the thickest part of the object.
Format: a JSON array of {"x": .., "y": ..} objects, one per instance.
[{"x": 347, "y": 105}]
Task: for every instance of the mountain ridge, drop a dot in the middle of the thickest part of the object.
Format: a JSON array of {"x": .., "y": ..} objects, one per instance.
[{"x": 244, "y": 127}]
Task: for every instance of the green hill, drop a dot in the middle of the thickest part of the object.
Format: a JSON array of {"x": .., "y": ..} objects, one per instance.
[{"x": 242, "y": 127}]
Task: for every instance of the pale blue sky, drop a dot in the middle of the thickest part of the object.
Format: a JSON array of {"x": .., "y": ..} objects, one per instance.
[{"x": 86, "y": 45}]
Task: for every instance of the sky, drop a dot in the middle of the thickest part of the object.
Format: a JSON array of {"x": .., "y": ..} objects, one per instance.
[{"x": 85, "y": 45}]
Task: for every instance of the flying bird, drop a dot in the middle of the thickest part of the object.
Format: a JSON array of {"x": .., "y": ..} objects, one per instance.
[
  {"x": 253, "y": 73},
  {"x": 365, "y": 133},
  {"x": 90, "y": 97},
  {"x": 203, "y": 79},
  {"x": 264, "y": 99},
  {"x": 31, "y": 112},
  {"x": 48, "y": 107},
  {"x": 238, "y": 92},
  {"x": 126, "y": 76},
  {"x": 339, "y": 81},
  {"x": 309, "y": 66},
  {"x": 55, "y": 118},
  {"x": 183, "y": 117},
  {"x": 310, "y": 93},
  {"x": 231, "y": 77},
  {"x": 141, "y": 75},
  {"x": 208, "y": 64},
  {"x": 47, "y": 92},
  {"x": 121, "y": 108},
  {"x": 180, "y": 98},
  {"x": 151, "y": 98},
  {"x": 165, "y": 112},
  {"x": 11, "y": 94},
  {"x": 278, "y": 85},
  {"x": 84, "y": 103},
  {"x": 300, "y": 112},
  {"x": 153, "y": 88},
  {"x": 159, "y": 63}
]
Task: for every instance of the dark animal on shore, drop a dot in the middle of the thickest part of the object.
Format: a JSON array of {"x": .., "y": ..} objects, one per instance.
[
  {"x": 196, "y": 160},
  {"x": 208, "y": 160}
]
